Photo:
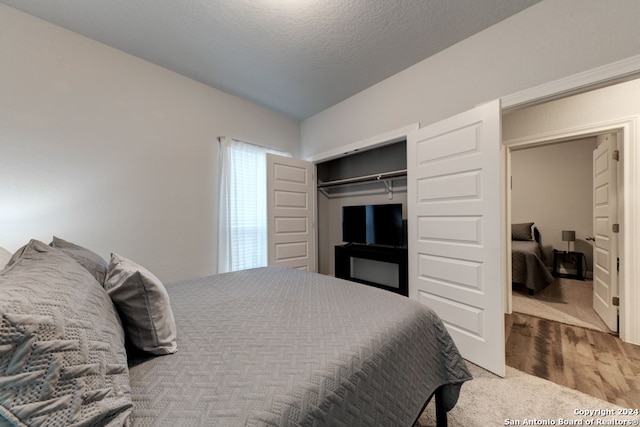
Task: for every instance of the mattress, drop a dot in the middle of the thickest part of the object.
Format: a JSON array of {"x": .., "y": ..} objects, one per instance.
[
  {"x": 281, "y": 347},
  {"x": 528, "y": 267}
]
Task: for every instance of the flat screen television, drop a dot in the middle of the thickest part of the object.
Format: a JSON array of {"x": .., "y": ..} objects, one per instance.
[{"x": 373, "y": 224}]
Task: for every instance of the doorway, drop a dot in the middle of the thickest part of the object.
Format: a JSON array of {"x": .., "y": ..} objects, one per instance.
[
  {"x": 552, "y": 186},
  {"x": 590, "y": 113}
]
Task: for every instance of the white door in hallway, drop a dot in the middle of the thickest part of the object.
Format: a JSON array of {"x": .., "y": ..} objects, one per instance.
[{"x": 605, "y": 249}]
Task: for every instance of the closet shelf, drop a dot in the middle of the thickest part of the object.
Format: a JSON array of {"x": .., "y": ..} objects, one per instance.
[
  {"x": 362, "y": 179},
  {"x": 386, "y": 178}
]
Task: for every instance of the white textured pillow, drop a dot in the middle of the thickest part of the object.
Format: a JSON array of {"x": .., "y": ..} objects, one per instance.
[
  {"x": 5, "y": 256},
  {"x": 144, "y": 307}
]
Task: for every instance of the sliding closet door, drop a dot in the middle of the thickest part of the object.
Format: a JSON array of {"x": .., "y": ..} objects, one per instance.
[
  {"x": 291, "y": 212},
  {"x": 455, "y": 232}
]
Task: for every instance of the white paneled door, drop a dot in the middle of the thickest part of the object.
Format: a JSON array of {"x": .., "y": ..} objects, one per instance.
[
  {"x": 455, "y": 235},
  {"x": 291, "y": 212},
  {"x": 605, "y": 251}
]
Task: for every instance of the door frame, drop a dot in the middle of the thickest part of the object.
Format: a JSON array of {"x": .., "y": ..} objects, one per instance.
[
  {"x": 365, "y": 144},
  {"x": 629, "y": 246},
  {"x": 369, "y": 143}
]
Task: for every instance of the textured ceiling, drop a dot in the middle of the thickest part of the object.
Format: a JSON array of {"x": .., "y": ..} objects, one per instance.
[{"x": 297, "y": 57}]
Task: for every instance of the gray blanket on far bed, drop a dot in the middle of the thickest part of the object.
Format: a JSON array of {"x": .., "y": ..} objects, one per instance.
[
  {"x": 527, "y": 265},
  {"x": 281, "y": 347}
]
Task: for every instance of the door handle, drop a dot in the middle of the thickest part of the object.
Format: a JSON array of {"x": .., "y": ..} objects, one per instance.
[{"x": 591, "y": 238}]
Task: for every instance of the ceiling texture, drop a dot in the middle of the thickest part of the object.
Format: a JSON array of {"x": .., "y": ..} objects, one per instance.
[{"x": 297, "y": 57}]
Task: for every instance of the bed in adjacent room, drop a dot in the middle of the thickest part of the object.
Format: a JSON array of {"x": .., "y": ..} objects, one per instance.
[
  {"x": 270, "y": 346},
  {"x": 527, "y": 258}
]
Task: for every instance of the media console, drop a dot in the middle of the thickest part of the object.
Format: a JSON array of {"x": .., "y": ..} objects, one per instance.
[{"x": 379, "y": 266}]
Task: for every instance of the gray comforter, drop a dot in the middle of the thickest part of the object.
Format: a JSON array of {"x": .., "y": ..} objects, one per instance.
[
  {"x": 281, "y": 347},
  {"x": 527, "y": 265}
]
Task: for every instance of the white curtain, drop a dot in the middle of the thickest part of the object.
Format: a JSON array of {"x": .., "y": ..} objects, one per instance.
[{"x": 242, "y": 226}]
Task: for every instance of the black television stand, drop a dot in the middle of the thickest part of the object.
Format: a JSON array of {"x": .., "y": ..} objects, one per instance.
[{"x": 380, "y": 266}]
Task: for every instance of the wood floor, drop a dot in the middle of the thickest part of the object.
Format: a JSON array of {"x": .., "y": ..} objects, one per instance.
[{"x": 593, "y": 362}]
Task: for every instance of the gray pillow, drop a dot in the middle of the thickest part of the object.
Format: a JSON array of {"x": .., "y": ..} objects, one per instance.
[
  {"x": 16, "y": 256},
  {"x": 522, "y": 231},
  {"x": 144, "y": 306},
  {"x": 94, "y": 263},
  {"x": 5, "y": 256},
  {"x": 63, "y": 359}
]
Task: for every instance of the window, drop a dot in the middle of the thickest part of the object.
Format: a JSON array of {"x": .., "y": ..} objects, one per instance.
[{"x": 242, "y": 229}]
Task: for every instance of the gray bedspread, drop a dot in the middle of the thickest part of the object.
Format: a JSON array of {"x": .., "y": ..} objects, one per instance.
[
  {"x": 527, "y": 265},
  {"x": 281, "y": 347}
]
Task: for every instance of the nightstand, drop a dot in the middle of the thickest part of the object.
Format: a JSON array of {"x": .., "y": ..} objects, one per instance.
[{"x": 568, "y": 259}]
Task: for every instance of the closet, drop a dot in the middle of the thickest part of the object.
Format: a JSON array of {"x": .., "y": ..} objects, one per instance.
[{"x": 366, "y": 177}]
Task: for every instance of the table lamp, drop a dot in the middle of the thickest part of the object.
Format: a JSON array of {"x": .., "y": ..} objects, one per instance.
[{"x": 568, "y": 236}]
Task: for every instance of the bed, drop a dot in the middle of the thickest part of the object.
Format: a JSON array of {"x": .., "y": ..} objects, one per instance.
[
  {"x": 527, "y": 258},
  {"x": 273, "y": 346}
]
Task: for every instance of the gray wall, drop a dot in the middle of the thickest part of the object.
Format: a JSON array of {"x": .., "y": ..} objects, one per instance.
[
  {"x": 112, "y": 152},
  {"x": 548, "y": 41},
  {"x": 118, "y": 154}
]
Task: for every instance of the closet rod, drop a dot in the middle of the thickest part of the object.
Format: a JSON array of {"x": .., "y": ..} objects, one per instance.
[{"x": 365, "y": 178}]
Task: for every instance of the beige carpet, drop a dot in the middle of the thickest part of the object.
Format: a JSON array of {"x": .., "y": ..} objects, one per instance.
[
  {"x": 564, "y": 300},
  {"x": 489, "y": 400}
]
